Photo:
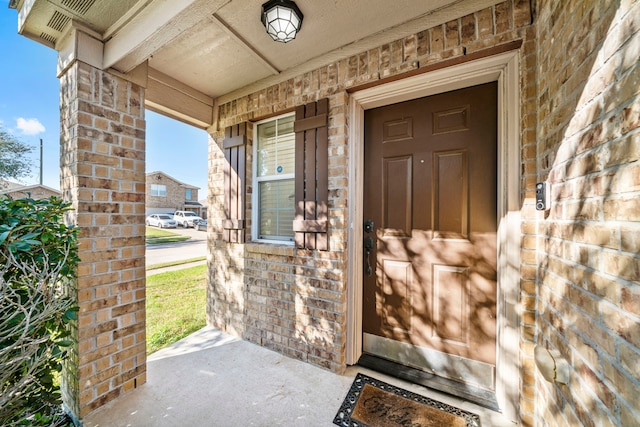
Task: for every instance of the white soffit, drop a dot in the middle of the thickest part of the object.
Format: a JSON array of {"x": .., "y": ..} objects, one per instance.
[
  {"x": 210, "y": 59},
  {"x": 327, "y": 25},
  {"x": 231, "y": 50},
  {"x": 398, "y": 19}
]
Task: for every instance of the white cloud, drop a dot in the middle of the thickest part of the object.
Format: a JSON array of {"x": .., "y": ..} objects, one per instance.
[{"x": 30, "y": 126}]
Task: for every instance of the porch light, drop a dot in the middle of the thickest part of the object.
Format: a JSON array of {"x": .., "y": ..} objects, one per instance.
[{"x": 282, "y": 19}]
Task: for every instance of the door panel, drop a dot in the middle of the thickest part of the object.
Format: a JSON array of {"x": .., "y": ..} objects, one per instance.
[
  {"x": 450, "y": 194},
  {"x": 396, "y": 295},
  {"x": 451, "y": 303},
  {"x": 431, "y": 191},
  {"x": 397, "y": 198}
]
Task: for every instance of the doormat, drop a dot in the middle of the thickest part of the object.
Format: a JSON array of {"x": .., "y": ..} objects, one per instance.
[{"x": 374, "y": 403}]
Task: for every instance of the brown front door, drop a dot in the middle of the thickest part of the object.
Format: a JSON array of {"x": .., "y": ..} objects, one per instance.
[{"x": 430, "y": 276}]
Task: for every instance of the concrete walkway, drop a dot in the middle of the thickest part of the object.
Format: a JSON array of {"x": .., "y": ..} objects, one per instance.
[{"x": 213, "y": 379}]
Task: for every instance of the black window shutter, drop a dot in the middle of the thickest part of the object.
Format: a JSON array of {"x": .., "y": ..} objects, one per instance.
[
  {"x": 234, "y": 145},
  {"x": 312, "y": 169}
]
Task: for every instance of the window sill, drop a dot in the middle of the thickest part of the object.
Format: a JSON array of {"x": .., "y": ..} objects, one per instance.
[{"x": 271, "y": 248}]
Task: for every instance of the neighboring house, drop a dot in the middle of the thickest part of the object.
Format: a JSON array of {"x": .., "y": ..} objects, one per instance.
[
  {"x": 372, "y": 189},
  {"x": 36, "y": 191},
  {"x": 165, "y": 194},
  {"x": 203, "y": 202}
]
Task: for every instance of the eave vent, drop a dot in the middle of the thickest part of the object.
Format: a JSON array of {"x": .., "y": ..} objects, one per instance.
[
  {"x": 58, "y": 21},
  {"x": 79, "y": 6},
  {"x": 48, "y": 38}
]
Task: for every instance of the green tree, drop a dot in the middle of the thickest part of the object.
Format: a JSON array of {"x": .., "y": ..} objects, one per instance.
[{"x": 14, "y": 161}]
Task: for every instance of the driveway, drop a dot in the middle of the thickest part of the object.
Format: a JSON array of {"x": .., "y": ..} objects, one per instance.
[{"x": 195, "y": 247}]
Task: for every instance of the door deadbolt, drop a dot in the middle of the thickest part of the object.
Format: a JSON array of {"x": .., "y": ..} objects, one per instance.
[{"x": 368, "y": 226}]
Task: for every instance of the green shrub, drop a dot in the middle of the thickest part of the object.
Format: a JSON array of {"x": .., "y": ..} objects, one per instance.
[{"x": 38, "y": 258}]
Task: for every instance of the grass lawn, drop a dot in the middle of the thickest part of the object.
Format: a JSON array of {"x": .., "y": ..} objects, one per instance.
[
  {"x": 175, "y": 305},
  {"x": 172, "y": 263},
  {"x": 158, "y": 235}
]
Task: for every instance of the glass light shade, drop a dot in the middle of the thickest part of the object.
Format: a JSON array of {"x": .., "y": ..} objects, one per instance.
[{"x": 282, "y": 19}]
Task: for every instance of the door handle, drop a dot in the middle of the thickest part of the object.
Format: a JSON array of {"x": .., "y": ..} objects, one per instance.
[
  {"x": 368, "y": 243},
  {"x": 368, "y": 247}
]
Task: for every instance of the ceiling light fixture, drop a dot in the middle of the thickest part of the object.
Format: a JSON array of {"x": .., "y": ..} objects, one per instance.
[{"x": 282, "y": 19}]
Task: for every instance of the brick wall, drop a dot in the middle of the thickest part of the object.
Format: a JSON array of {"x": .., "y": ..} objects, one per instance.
[
  {"x": 589, "y": 262},
  {"x": 103, "y": 175},
  {"x": 294, "y": 301}
]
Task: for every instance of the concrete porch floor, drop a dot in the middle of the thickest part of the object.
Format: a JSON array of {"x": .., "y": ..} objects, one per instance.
[{"x": 213, "y": 379}]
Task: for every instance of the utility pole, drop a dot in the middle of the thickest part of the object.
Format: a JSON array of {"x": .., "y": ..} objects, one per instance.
[{"x": 40, "y": 161}]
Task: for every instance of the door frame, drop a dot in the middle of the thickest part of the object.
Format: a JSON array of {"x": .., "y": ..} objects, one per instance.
[{"x": 503, "y": 68}]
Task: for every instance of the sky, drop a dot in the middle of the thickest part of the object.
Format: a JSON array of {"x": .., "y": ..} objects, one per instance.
[{"x": 29, "y": 110}]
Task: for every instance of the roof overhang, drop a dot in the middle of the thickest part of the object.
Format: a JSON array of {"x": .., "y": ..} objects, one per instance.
[{"x": 194, "y": 54}]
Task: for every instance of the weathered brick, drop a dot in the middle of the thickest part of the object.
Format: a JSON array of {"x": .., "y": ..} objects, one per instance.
[
  {"x": 622, "y": 209},
  {"x": 409, "y": 48},
  {"x": 485, "y": 23},
  {"x": 452, "y": 34},
  {"x": 436, "y": 38},
  {"x": 629, "y": 415},
  {"x": 422, "y": 40},
  {"x": 521, "y": 13},
  {"x": 503, "y": 17}
]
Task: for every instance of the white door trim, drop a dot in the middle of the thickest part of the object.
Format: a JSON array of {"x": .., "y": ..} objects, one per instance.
[{"x": 504, "y": 69}]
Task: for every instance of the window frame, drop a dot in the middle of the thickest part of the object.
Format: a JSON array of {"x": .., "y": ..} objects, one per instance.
[
  {"x": 188, "y": 194},
  {"x": 157, "y": 190},
  {"x": 255, "y": 196}
]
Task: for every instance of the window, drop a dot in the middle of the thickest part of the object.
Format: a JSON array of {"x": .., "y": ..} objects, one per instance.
[
  {"x": 158, "y": 190},
  {"x": 187, "y": 194},
  {"x": 274, "y": 173}
]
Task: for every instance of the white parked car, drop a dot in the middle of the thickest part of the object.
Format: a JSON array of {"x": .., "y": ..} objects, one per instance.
[
  {"x": 186, "y": 218},
  {"x": 161, "y": 220}
]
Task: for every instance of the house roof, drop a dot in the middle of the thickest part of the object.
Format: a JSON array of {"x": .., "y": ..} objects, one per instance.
[
  {"x": 13, "y": 188},
  {"x": 185, "y": 185},
  {"x": 8, "y": 185},
  {"x": 193, "y": 54}
]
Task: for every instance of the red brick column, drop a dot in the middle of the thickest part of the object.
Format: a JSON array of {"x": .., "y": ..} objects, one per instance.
[{"x": 103, "y": 175}]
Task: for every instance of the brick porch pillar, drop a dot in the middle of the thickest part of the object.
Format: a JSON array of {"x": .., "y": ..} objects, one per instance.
[{"x": 103, "y": 175}]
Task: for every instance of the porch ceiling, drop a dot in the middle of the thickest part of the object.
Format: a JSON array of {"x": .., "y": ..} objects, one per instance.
[{"x": 211, "y": 48}]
